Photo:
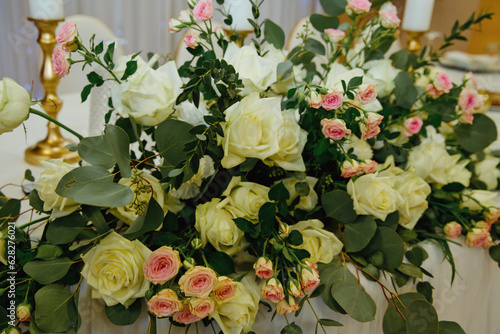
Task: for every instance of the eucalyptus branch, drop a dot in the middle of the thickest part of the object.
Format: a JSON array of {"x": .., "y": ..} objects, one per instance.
[{"x": 56, "y": 122}]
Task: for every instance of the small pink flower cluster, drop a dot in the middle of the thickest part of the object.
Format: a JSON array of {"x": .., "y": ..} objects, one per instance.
[
  {"x": 370, "y": 125},
  {"x": 66, "y": 42},
  {"x": 452, "y": 229},
  {"x": 367, "y": 93},
  {"x": 441, "y": 85},
  {"x": 334, "y": 128},
  {"x": 273, "y": 290},
  {"x": 184, "y": 19},
  {"x": 469, "y": 101},
  {"x": 334, "y": 35},
  {"x": 388, "y": 15},
  {"x": 330, "y": 101},
  {"x": 479, "y": 236},
  {"x": 352, "y": 168},
  {"x": 412, "y": 126},
  {"x": 192, "y": 40}
]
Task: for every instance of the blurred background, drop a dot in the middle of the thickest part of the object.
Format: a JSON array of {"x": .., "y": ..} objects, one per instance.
[{"x": 143, "y": 25}]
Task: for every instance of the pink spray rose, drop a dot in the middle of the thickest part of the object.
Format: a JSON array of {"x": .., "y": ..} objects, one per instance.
[
  {"x": 201, "y": 307},
  {"x": 350, "y": 168},
  {"x": 358, "y": 6},
  {"x": 198, "y": 281},
  {"x": 60, "y": 63},
  {"x": 488, "y": 242},
  {"x": 162, "y": 265},
  {"x": 273, "y": 290},
  {"x": 367, "y": 93},
  {"x": 263, "y": 268},
  {"x": 469, "y": 99},
  {"x": 452, "y": 229},
  {"x": 174, "y": 25},
  {"x": 333, "y": 100},
  {"x": 412, "y": 126},
  {"x": 476, "y": 237},
  {"x": 309, "y": 279},
  {"x": 370, "y": 127},
  {"x": 314, "y": 99},
  {"x": 389, "y": 19},
  {"x": 294, "y": 288},
  {"x": 334, "y": 128},
  {"x": 164, "y": 303},
  {"x": 67, "y": 35},
  {"x": 185, "y": 16},
  {"x": 369, "y": 166},
  {"x": 203, "y": 10},
  {"x": 287, "y": 306},
  {"x": 224, "y": 289},
  {"x": 431, "y": 91},
  {"x": 492, "y": 215},
  {"x": 442, "y": 83},
  {"x": 389, "y": 6},
  {"x": 334, "y": 35},
  {"x": 471, "y": 80},
  {"x": 191, "y": 40},
  {"x": 184, "y": 316},
  {"x": 466, "y": 117}
]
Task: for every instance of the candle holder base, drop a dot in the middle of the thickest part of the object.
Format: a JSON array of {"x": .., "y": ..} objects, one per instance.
[
  {"x": 414, "y": 40},
  {"x": 50, "y": 148},
  {"x": 241, "y": 35}
]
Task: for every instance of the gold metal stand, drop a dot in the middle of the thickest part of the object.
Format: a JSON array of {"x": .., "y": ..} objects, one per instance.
[
  {"x": 53, "y": 146},
  {"x": 414, "y": 38},
  {"x": 242, "y": 35}
]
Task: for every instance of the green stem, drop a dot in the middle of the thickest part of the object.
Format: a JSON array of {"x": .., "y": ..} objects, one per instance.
[
  {"x": 47, "y": 117},
  {"x": 152, "y": 324},
  {"x": 33, "y": 222}
]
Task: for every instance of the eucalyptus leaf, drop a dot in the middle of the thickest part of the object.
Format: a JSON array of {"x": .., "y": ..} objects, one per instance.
[
  {"x": 411, "y": 270},
  {"x": 64, "y": 230},
  {"x": 358, "y": 234},
  {"x": 48, "y": 252},
  {"x": 405, "y": 91},
  {"x": 95, "y": 150},
  {"x": 450, "y": 327},
  {"x": 390, "y": 244},
  {"x": 47, "y": 272},
  {"x": 322, "y": 22},
  {"x": 10, "y": 210},
  {"x": 147, "y": 222},
  {"x": 222, "y": 263},
  {"x": 477, "y": 136},
  {"x": 393, "y": 323},
  {"x": 291, "y": 329},
  {"x": 421, "y": 318},
  {"x": 354, "y": 300},
  {"x": 121, "y": 316},
  {"x": 339, "y": 205},
  {"x": 118, "y": 143},
  {"x": 274, "y": 34},
  {"x": 333, "y": 7},
  {"x": 55, "y": 309}
]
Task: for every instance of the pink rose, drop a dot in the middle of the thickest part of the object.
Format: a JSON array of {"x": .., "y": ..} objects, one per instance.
[
  {"x": 60, "y": 63},
  {"x": 309, "y": 279},
  {"x": 442, "y": 83},
  {"x": 67, "y": 35},
  {"x": 224, "y": 289},
  {"x": 198, "y": 281},
  {"x": 201, "y": 307},
  {"x": 358, "y": 7},
  {"x": 370, "y": 127},
  {"x": 350, "y": 168},
  {"x": 219, "y": 32},
  {"x": 367, "y": 93},
  {"x": 492, "y": 215},
  {"x": 470, "y": 80},
  {"x": 412, "y": 126},
  {"x": 184, "y": 316},
  {"x": 452, "y": 229},
  {"x": 431, "y": 91},
  {"x": 294, "y": 288},
  {"x": 263, "y": 268},
  {"x": 466, "y": 117},
  {"x": 286, "y": 307},
  {"x": 164, "y": 303},
  {"x": 185, "y": 16},
  {"x": 476, "y": 237},
  {"x": 369, "y": 166},
  {"x": 334, "y": 35},
  {"x": 333, "y": 100},
  {"x": 203, "y": 10},
  {"x": 487, "y": 243},
  {"x": 389, "y": 6},
  {"x": 389, "y": 19},
  {"x": 273, "y": 290},
  {"x": 162, "y": 265},
  {"x": 174, "y": 25},
  {"x": 334, "y": 128},
  {"x": 191, "y": 40},
  {"x": 469, "y": 99},
  {"x": 314, "y": 100},
  {"x": 23, "y": 312}
]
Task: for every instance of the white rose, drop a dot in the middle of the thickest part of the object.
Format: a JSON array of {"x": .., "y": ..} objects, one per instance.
[
  {"x": 458, "y": 172},
  {"x": 360, "y": 147},
  {"x": 214, "y": 222},
  {"x": 187, "y": 112},
  {"x": 292, "y": 139},
  {"x": 113, "y": 269},
  {"x": 382, "y": 73},
  {"x": 374, "y": 195},
  {"x": 321, "y": 244},
  {"x": 46, "y": 186},
  {"x": 148, "y": 95},
  {"x": 191, "y": 188},
  {"x": 476, "y": 199},
  {"x": 278, "y": 56},
  {"x": 256, "y": 72},
  {"x": 14, "y": 105},
  {"x": 401, "y": 139},
  {"x": 251, "y": 129},
  {"x": 306, "y": 203},
  {"x": 142, "y": 184},
  {"x": 487, "y": 171},
  {"x": 247, "y": 197}
]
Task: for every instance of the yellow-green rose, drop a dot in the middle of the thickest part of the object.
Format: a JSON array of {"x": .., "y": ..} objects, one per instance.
[
  {"x": 247, "y": 197},
  {"x": 114, "y": 270},
  {"x": 14, "y": 105}
]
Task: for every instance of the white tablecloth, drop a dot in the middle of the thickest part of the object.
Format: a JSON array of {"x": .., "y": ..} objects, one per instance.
[{"x": 473, "y": 300}]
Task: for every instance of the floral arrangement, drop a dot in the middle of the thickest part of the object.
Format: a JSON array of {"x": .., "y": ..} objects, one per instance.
[{"x": 293, "y": 171}]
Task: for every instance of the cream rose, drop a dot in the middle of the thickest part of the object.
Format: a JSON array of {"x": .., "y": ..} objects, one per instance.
[
  {"x": 247, "y": 197},
  {"x": 187, "y": 112},
  {"x": 142, "y": 185},
  {"x": 14, "y": 105},
  {"x": 148, "y": 96},
  {"x": 292, "y": 139},
  {"x": 214, "y": 222},
  {"x": 487, "y": 171},
  {"x": 360, "y": 147},
  {"x": 191, "y": 188},
  {"x": 306, "y": 203},
  {"x": 374, "y": 195},
  {"x": 251, "y": 130},
  {"x": 237, "y": 314},
  {"x": 113, "y": 269},
  {"x": 382, "y": 73},
  {"x": 321, "y": 244},
  {"x": 283, "y": 83},
  {"x": 256, "y": 72},
  {"x": 476, "y": 199},
  {"x": 46, "y": 186}
]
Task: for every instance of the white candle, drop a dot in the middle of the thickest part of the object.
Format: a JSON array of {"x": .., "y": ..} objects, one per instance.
[
  {"x": 241, "y": 11},
  {"x": 46, "y": 9},
  {"x": 418, "y": 14}
]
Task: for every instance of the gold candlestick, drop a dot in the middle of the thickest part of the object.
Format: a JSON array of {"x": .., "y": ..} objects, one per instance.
[
  {"x": 242, "y": 35},
  {"x": 414, "y": 38},
  {"x": 53, "y": 146}
]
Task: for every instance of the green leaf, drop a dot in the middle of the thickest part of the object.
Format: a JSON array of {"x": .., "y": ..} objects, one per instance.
[
  {"x": 291, "y": 329},
  {"x": 10, "y": 210},
  {"x": 28, "y": 175},
  {"x": 322, "y": 22},
  {"x": 222, "y": 263},
  {"x": 495, "y": 253},
  {"x": 392, "y": 322},
  {"x": 274, "y": 34},
  {"x": 86, "y": 91},
  {"x": 354, "y": 83},
  {"x": 279, "y": 193},
  {"x": 330, "y": 323},
  {"x": 354, "y": 300},
  {"x": 267, "y": 213},
  {"x": 130, "y": 70},
  {"x": 284, "y": 66},
  {"x": 93, "y": 185},
  {"x": 46, "y": 272},
  {"x": 95, "y": 216},
  {"x": 416, "y": 255},
  {"x": 425, "y": 288},
  {"x": 118, "y": 143},
  {"x": 405, "y": 91},
  {"x": 411, "y": 270},
  {"x": 391, "y": 221},
  {"x": 476, "y": 137},
  {"x": 400, "y": 58},
  {"x": 121, "y": 316},
  {"x": 390, "y": 244},
  {"x": 333, "y": 7},
  {"x": 99, "y": 48},
  {"x": 315, "y": 46},
  {"x": 55, "y": 310},
  {"x": 330, "y": 274},
  {"x": 422, "y": 318},
  {"x": 48, "y": 252},
  {"x": 339, "y": 205},
  {"x": 147, "y": 222},
  {"x": 295, "y": 238},
  {"x": 95, "y": 79},
  {"x": 450, "y": 327},
  {"x": 65, "y": 229},
  {"x": 108, "y": 56},
  {"x": 96, "y": 151},
  {"x": 358, "y": 234}
]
